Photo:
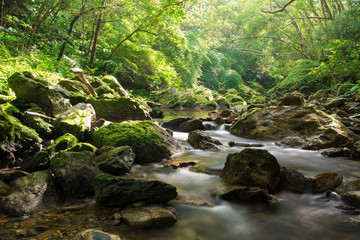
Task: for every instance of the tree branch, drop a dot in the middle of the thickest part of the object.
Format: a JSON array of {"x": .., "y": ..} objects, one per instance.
[{"x": 281, "y": 9}]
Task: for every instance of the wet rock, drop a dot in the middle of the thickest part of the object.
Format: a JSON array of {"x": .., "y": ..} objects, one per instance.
[
  {"x": 252, "y": 167},
  {"x": 293, "y": 99},
  {"x": 294, "y": 181},
  {"x": 49, "y": 96},
  {"x": 118, "y": 109},
  {"x": 245, "y": 194},
  {"x": 149, "y": 141},
  {"x": 40, "y": 161},
  {"x": 326, "y": 181},
  {"x": 64, "y": 142},
  {"x": 209, "y": 126},
  {"x": 184, "y": 124},
  {"x": 117, "y": 161},
  {"x": 225, "y": 113},
  {"x": 180, "y": 163},
  {"x": 80, "y": 147},
  {"x": 76, "y": 121},
  {"x": 335, "y": 103},
  {"x": 16, "y": 139},
  {"x": 336, "y": 152},
  {"x": 352, "y": 185},
  {"x": 200, "y": 140},
  {"x": 149, "y": 216},
  {"x": 9, "y": 175},
  {"x": 74, "y": 172},
  {"x": 351, "y": 198},
  {"x": 219, "y": 120},
  {"x": 246, "y": 145},
  {"x": 112, "y": 191},
  {"x": 27, "y": 193},
  {"x": 94, "y": 234},
  {"x": 232, "y": 118},
  {"x": 4, "y": 189},
  {"x": 315, "y": 129}
]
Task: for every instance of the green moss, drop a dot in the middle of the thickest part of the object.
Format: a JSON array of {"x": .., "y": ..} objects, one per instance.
[
  {"x": 43, "y": 128},
  {"x": 77, "y": 123},
  {"x": 82, "y": 147},
  {"x": 128, "y": 133},
  {"x": 64, "y": 142}
]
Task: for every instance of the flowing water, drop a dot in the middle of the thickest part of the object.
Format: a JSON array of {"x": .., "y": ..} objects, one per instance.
[{"x": 293, "y": 216}]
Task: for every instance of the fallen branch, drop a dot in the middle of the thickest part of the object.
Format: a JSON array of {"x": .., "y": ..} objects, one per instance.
[
  {"x": 80, "y": 73},
  {"x": 35, "y": 114}
]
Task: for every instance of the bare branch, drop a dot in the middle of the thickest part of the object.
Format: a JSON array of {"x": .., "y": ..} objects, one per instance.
[{"x": 281, "y": 9}]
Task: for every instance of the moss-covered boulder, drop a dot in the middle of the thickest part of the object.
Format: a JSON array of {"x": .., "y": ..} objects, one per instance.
[
  {"x": 28, "y": 193},
  {"x": 82, "y": 146},
  {"x": 312, "y": 129},
  {"x": 112, "y": 191},
  {"x": 43, "y": 128},
  {"x": 64, "y": 142},
  {"x": 52, "y": 98},
  {"x": 16, "y": 139},
  {"x": 149, "y": 141},
  {"x": 117, "y": 161},
  {"x": 75, "y": 172},
  {"x": 113, "y": 83},
  {"x": 40, "y": 161},
  {"x": 252, "y": 167},
  {"x": 234, "y": 98},
  {"x": 118, "y": 109},
  {"x": 76, "y": 121}
]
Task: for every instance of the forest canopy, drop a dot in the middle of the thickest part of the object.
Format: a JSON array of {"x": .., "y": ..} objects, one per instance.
[{"x": 250, "y": 46}]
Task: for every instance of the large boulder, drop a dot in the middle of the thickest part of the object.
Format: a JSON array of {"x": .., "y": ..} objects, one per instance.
[
  {"x": 326, "y": 181},
  {"x": 75, "y": 172},
  {"x": 118, "y": 109},
  {"x": 312, "y": 129},
  {"x": 112, "y": 191},
  {"x": 149, "y": 141},
  {"x": 154, "y": 215},
  {"x": 199, "y": 140},
  {"x": 52, "y": 98},
  {"x": 252, "y": 167},
  {"x": 76, "y": 121},
  {"x": 113, "y": 83},
  {"x": 28, "y": 193},
  {"x": 184, "y": 124},
  {"x": 16, "y": 139},
  {"x": 117, "y": 161}
]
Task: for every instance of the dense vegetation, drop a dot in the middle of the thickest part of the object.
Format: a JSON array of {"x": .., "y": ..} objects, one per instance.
[{"x": 248, "y": 47}]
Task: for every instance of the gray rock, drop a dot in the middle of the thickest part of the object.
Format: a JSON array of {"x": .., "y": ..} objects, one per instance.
[
  {"x": 28, "y": 193},
  {"x": 200, "y": 140},
  {"x": 294, "y": 181},
  {"x": 117, "y": 161},
  {"x": 94, "y": 234},
  {"x": 112, "y": 191},
  {"x": 336, "y": 152},
  {"x": 184, "y": 124},
  {"x": 75, "y": 172},
  {"x": 244, "y": 194},
  {"x": 252, "y": 167},
  {"x": 149, "y": 216}
]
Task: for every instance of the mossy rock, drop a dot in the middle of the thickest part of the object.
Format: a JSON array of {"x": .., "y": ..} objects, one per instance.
[
  {"x": 118, "y": 109},
  {"x": 52, "y": 98},
  {"x": 43, "y": 128},
  {"x": 64, "y": 142},
  {"x": 113, "y": 83},
  {"x": 80, "y": 147},
  {"x": 149, "y": 141},
  {"x": 75, "y": 86},
  {"x": 16, "y": 139},
  {"x": 76, "y": 121}
]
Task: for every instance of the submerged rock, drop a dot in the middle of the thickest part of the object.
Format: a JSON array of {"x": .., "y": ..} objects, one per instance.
[
  {"x": 16, "y": 139},
  {"x": 326, "y": 181},
  {"x": 94, "y": 234},
  {"x": 245, "y": 194},
  {"x": 149, "y": 216},
  {"x": 316, "y": 129},
  {"x": 119, "y": 109},
  {"x": 252, "y": 167},
  {"x": 336, "y": 152},
  {"x": 294, "y": 181},
  {"x": 112, "y": 191},
  {"x": 199, "y": 140},
  {"x": 184, "y": 124},
  {"x": 149, "y": 141},
  {"x": 28, "y": 193},
  {"x": 351, "y": 198},
  {"x": 75, "y": 172},
  {"x": 49, "y": 96},
  {"x": 117, "y": 161}
]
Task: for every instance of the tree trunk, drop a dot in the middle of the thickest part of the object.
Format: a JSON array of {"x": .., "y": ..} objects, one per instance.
[{"x": 97, "y": 31}]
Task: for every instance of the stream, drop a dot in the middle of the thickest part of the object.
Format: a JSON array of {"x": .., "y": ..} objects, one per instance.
[{"x": 292, "y": 216}]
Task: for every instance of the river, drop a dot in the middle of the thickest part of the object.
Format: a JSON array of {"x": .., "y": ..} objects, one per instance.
[{"x": 292, "y": 216}]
